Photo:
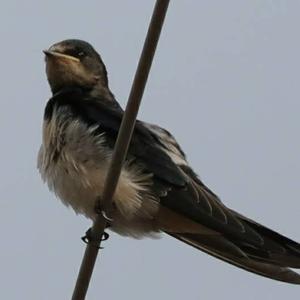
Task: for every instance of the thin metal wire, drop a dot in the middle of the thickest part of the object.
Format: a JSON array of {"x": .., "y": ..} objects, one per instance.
[{"x": 121, "y": 147}]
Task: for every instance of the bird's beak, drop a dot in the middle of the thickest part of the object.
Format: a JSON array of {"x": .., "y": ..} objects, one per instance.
[{"x": 57, "y": 55}]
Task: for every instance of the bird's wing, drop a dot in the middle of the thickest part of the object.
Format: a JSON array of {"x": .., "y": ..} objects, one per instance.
[
  {"x": 223, "y": 249},
  {"x": 196, "y": 215}
]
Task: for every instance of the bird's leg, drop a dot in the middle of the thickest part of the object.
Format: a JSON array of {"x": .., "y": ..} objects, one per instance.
[
  {"x": 89, "y": 237},
  {"x": 100, "y": 210}
]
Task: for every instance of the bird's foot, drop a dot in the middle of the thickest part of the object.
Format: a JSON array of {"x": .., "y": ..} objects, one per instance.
[{"x": 88, "y": 238}]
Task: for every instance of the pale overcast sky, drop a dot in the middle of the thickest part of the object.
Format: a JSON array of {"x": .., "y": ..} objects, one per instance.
[{"x": 225, "y": 81}]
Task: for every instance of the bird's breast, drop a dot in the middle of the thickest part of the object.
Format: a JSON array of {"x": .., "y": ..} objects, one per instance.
[{"x": 74, "y": 159}]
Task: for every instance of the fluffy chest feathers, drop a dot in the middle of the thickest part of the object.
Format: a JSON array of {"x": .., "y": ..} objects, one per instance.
[{"x": 73, "y": 160}]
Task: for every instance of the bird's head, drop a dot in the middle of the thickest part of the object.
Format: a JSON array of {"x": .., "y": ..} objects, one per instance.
[{"x": 75, "y": 63}]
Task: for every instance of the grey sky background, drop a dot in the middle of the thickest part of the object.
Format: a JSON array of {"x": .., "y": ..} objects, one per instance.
[{"x": 225, "y": 81}]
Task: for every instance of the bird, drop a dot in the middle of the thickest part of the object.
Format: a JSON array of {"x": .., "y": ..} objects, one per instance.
[{"x": 158, "y": 191}]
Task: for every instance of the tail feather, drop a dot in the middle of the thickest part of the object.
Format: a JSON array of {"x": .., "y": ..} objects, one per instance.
[{"x": 222, "y": 248}]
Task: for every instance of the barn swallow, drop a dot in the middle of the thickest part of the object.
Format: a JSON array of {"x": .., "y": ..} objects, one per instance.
[{"x": 157, "y": 191}]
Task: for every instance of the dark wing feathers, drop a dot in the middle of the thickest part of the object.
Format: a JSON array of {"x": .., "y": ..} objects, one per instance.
[
  {"x": 183, "y": 201},
  {"x": 218, "y": 249},
  {"x": 254, "y": 247},
  {"x": 239, "y": 240},
  {"x": 281, "y": 250}
]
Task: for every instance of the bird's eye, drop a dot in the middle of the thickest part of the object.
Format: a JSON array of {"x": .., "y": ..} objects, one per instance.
[{"x": 81, "y": 54}]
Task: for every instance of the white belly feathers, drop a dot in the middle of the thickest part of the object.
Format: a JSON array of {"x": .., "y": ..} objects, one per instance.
[{"x": 73, "y": 160}]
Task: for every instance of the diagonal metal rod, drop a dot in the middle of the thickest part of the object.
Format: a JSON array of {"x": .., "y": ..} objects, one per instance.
[{"x": 121, "y": 147}]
